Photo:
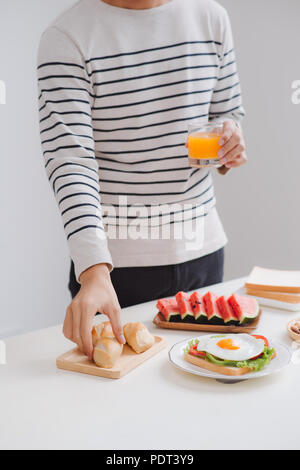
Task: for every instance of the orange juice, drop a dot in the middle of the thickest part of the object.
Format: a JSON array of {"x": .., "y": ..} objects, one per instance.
[{"x": 204, "y": 145}]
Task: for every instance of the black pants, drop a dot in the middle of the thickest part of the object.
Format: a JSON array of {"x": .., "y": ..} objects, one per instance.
[{"x": 142, "y": 284}]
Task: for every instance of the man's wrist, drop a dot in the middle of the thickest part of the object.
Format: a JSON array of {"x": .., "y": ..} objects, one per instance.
[{"x": 97, "y": 271}]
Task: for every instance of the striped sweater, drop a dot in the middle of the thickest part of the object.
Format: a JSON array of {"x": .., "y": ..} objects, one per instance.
[{"x": 117, "y": 90}]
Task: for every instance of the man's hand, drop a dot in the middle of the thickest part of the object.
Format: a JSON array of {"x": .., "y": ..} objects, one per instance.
[
  {"x": 233, "y": 151},
  {"x": 96, "y": 295}
]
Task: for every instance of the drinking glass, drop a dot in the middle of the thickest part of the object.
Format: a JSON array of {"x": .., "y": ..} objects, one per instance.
[{"x": 203, "y": 144}]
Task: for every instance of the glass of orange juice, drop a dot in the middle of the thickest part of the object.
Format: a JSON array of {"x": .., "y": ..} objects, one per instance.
[{"x": 203, "y": 144}]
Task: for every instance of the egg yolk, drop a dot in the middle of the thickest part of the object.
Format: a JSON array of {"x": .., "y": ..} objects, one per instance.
[{"x": 228, "y": 344}]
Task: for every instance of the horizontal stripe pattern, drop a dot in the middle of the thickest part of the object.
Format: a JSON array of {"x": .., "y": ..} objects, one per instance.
[{"x": 115, "y": 125}]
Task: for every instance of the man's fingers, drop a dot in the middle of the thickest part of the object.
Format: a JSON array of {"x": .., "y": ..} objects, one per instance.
[
  {"x": 68, "y": 324},
  {"x": 239, "y": 161},
  {"x": 86, "y": 330},
  {"x": 230, "y": 144},
  {"x": 227, "y": 132},
  {"x": 114, "y": 315},
  {"x": 233, "y": 154},
  {"x": 76, "y": 325}
]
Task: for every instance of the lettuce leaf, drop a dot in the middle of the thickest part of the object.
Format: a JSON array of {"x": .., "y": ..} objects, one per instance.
[
  {"x": 253, "y": 364},
  {"x": 190, "y": 344},
  {"x": 220, "y": 362},
  {"x": 261, "y": 362}
]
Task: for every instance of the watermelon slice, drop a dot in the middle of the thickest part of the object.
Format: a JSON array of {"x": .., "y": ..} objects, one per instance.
[
  {"x": 246, "y": 309},
  {"x": 226, "y": 311},
  {"x": 197, "y": 305},
  {"x": 184, "y": 307},
  {"x": 212, "y": 310},
  {"x": 169, "y": 309}
]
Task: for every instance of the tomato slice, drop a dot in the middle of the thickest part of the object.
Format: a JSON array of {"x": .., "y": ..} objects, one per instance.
[
  {"x": 194, "y": 352},
  {"x": 256, "y": 357},
  {"x": 266, "y": 343},
  {"x": 263, "y": 338}
]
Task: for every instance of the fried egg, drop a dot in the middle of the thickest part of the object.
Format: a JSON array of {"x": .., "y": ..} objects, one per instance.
[{"x": 237, "y": 347}]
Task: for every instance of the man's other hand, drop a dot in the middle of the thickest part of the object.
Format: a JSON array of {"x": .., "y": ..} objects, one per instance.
[{"x": 233, "y": 149}]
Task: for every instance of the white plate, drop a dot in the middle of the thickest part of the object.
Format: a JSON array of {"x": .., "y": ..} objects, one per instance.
[{"x": 282, "y": 359}]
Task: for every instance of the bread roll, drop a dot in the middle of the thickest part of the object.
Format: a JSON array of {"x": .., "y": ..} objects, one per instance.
[
  {"x": 102, "y": 330},
  {"x": 107, "y": 349},
  {"x": 106, "y": 352},
  {"x": 138, "y": 337},
  {"x": 96, "y": 333}
]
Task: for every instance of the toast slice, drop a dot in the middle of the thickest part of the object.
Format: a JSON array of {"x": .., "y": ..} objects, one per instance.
[
  {"x": 204, "y": 364},
  {"x": 281, "y": 296},
  {"x": 274, "y": 280}
]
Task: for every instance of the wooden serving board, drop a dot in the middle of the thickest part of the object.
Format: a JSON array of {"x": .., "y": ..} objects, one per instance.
[
  {"x": 75, "y": 361},
  {"x": 160, "y": 321}
]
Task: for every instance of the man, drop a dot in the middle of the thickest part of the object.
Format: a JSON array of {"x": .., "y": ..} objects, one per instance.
[{"x": 120, "y": 80}]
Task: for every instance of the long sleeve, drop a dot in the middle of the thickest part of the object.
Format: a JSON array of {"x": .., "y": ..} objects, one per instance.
[
  {"x": 65, "y": 101},
  {"x": 227, "y": 100}
]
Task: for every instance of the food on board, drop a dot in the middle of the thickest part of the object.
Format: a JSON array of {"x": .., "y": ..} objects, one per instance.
[{"x": 209, "y": 309}]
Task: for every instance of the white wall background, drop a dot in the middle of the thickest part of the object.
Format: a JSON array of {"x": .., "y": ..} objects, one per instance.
[
  {"x": 34, "y": 256},
  {"x": 259, "y": 203}
]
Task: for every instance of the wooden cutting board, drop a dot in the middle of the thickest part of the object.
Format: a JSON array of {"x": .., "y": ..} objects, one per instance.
[
  {"x": 160, "y": 322},
  {"x": 75, "y": 361}
]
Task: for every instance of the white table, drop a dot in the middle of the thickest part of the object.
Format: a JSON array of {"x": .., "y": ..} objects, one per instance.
[{"x": 153, "y": 407}]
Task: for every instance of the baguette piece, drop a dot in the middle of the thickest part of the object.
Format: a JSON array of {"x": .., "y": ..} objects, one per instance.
[
  {"x": 102, "y": 330},
  {"x": 107, "y": 349},
  {"x": 106, "y": 352},
  {"x": 138, "y": 337},
  {"x": 204, "y": 364}
]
